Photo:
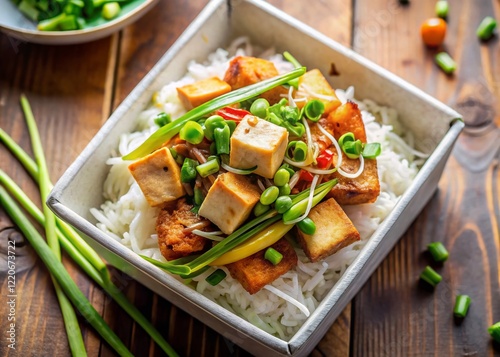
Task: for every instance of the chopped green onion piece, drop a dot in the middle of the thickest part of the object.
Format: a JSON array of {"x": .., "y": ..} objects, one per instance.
[
  {"x": 208, "y": 168},
  {"x": 269, "y": 195},
  {"x": 372, "y": 150},
  {"x": 283, "y": 204},
  {"x": 438, "y": 251},
  {"x": 168, "y": 131},
  {"x": 212, "y": 123},
  {"x": 192, "y": 132},
  {"x": 307, "y": 226},
  {"x": 173, "y": 152},
  {"x": 110, "y": 10},
  {"x": 273, "y": 256},
  {"x": 162, "y": 119},
  {"x": 216, "y": 277},
  {"x": 222, "y": 136},
  {"x": 29, "y": 10},
  {"x": 462, "y": 303},
  {"x": 299, "y": 150},
  {"x": 188, "y": 170},
  {"x": 442, "y": 9},
  {"x": 430, "y": 276},
  {"x": 486, "y": 28},
  {"x": 314, "y": 109},
  {"x": 346, "y": 138},
  {"x": 352, "y": 149},
  {"x": 445, "y": 62},
  {"x": 494, "y": 331}
]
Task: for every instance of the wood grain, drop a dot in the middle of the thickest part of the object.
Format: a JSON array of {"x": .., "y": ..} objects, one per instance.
[
  {"x": 73, "y": 89},
  {"x": 394, "y": 314}
]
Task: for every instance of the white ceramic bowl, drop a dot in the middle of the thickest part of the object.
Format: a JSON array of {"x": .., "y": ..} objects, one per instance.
[
  {"x": 15, "y": 24},
  {"x": 434, "y": 125}
]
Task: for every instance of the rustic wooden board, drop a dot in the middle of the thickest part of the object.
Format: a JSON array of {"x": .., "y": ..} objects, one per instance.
[
  {"x": 73, "y": 89},
  {"x": 394, "y": 315}
]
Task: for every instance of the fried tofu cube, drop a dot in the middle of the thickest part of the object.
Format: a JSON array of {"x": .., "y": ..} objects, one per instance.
[
  {"x": 195, "y": 94},
  {"x": 244, "y": 71},
  {"x": 354, "y": 191},
  {"x": 315, "y": 86},
  {"x": 257, "y": 142},
  {"x": 334, "y": 231},
  {"x": 229, "y": 201},
  {"x": 255, "y": 272},
  {"x": 158, "y": 176},
  {"x": 347, "y": 118}
]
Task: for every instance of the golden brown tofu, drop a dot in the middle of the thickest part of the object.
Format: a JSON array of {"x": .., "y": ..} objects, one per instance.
[
  {"x": 158, "y": 176},
  {"x": 174, "y": 240},
  {"x": 244, "y": 71},
  {"x": 195, "y": 94},
  {"x": 334, "y": 231},
  {"x": 354, "y": 191},
  {"x": 313, "y": 85},
  {"x": 347, "y": 118},
  {"x": 257, "y": 142},
  {"x": 255, "y": 272},
  {"x": 229, "y": 201}
]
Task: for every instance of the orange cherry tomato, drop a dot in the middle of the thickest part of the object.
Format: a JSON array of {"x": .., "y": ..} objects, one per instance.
[{"x": 433, "y": 31}]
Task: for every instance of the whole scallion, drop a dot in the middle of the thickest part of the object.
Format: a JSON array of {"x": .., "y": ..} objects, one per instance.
[
  {"x": 60, "y": 274},
  {"x": 168, "y": 131}
]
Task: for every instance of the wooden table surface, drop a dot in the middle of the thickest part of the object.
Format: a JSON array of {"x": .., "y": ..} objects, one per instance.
[{"x": 73, "y": 90}]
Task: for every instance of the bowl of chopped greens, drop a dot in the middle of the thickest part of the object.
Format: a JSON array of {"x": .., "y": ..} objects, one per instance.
[{"x": 60, "y": 22}]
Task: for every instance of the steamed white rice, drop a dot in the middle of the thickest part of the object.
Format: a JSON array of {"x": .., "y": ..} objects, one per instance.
[{"x": 282, "y": 307}]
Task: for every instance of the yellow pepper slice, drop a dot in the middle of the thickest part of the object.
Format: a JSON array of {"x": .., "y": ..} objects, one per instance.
[{"x": 259, "y": 241}]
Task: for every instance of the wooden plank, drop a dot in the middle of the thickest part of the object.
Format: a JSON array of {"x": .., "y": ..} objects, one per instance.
[
  {"x": 394, "y": 314},
  {"x": 65, "y": 86}
]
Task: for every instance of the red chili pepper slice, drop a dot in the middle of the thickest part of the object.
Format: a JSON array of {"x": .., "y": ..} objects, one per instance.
[
  {"x": 325, "y": 159},
  {"x": 230, "y": 113},
  {"x": 306, "y": 176}
]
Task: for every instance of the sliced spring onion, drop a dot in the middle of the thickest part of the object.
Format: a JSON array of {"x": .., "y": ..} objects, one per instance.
[
  {"x": 222, "y": 137},
  {"x": 438, "y": 251},
  {"x": 314, "y": 109},
  {"x": 486, "y": 28},
  {"x": 445, "y": 62},
  {"x": 216, "y": 277},
  {"x": 299, "y": 150},
  {"x": 461, "y": 308},
  {"x": 170, "y": 130},
  {"x": 372, "y": 150},
  {"x": 192, "y": 132},
  {"x": 188, "y": 170},
  {"x": 273, "y": 256},
  {"x": 345, "y": 138},
  {"x": 430, "y": 276},
  {"x": 494, "y": 331},
  {"x": 208, "y": 168},
  {"x": 442, "y": 9}
]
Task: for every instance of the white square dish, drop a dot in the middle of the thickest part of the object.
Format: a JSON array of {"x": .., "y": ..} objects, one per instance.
[{"x": 434, "y": 126}]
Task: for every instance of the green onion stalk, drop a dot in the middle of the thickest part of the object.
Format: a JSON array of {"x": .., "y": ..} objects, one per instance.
[
  {"x": 168, "y": 131},
  {"x": 60, "y": 274},
  {"x": 73, "y": 331},
  {"x": 74, "y": 244}
]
